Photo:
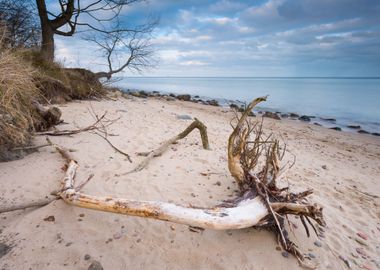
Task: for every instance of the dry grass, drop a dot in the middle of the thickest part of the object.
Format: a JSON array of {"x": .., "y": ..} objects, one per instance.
[{"x": 17, "y": 90}]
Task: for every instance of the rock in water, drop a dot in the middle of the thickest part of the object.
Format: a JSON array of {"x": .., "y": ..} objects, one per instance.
[
  {"x": 272, "y": 115},
  {"x": 336, "y": 128},
  {"x": 184, "y": 97},
  {"x": 304, "y": 118},
  {"x": 213, "y": 102},
  {"x": 354, "y": 126}
]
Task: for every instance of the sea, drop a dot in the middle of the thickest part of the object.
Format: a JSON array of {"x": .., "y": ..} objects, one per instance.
[{"x": 349, "y": 101}]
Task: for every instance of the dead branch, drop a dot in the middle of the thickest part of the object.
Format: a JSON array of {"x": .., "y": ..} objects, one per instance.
[
  {"x": 114, "y": 147},
  {"x": 67, "y": 132},
  {"x": 24, "y": 205},
  {"x": 196, "y": 124}
]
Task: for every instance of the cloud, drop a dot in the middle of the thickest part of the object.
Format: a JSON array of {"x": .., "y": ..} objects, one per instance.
[{"x": 257, "y": 38}]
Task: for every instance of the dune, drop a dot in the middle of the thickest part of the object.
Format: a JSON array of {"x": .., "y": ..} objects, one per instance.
[{"x": 342, "y": 168}]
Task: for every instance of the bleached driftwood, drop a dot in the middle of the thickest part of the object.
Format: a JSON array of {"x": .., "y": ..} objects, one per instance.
[
  {"x": 246, "y": 213},
  {"x": 196, "y": 124}
]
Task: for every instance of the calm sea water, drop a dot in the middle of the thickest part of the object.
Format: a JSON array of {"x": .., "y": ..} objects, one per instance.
[{"x": 348, "y": 100}]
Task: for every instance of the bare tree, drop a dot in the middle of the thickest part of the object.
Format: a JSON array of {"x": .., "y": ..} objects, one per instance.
[
  {"x": 125, "y": 49},
  {"x": 95, "y": 15},
  {"x": 19, "y": 21}
]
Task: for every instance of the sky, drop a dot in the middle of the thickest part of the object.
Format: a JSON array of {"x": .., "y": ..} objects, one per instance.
[{"x": 257, "y": 38}]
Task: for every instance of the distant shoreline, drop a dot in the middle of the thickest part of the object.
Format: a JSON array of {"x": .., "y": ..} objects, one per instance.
[{"x": 329, "y": 123}]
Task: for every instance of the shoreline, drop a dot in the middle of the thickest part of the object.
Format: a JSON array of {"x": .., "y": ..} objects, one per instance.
[{"x": 326, "y": 122}]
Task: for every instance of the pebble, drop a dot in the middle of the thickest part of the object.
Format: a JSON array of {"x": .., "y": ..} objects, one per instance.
[
  {"x": 218, "y": 183},
  {"x": 117, "y": 235},
  {"x": 324, "y": 167},
  {"x": 184, "y": 117},
  {"x": 95, "y": 265},
  {"x": 345, "y": 261},
  {"x": 362, "y": 235},
  {"x": 87, "y": 257},
  {"x": 285, "y": 254},
  {"x": 361, "y": 251},
  {"x": 317, "y": 243},
  {"x": 361, "y": 241},
  {"x": 311, "y": 255}
]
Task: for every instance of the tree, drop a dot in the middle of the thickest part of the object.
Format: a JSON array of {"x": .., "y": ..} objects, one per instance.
[
  {"x": 99, "y": 16},
  {"x": 19, "y": 22},
  {"x": 125, "y": 49}
]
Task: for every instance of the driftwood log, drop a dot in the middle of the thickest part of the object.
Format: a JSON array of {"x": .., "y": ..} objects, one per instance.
[
  {"x": 196, "y": 124},
  {"x": 254, "y": 163}
]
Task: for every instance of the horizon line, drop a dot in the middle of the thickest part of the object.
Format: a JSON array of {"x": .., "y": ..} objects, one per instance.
[{"x": 261, "y": 77}]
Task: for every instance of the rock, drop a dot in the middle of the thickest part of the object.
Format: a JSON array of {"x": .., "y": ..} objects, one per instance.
[
  {"x": 311, "y": 255},
  {"x": 285, "y": 254},
  {"x": 184, "y": 97},
  {"x": 375, "y": 134},
  {"x": 294, "y": 115},
  {"x": 361, "y": 251},
  {"x": 353, "y": 126},
  {"x": 317, "y": 124},
  {"x": 87, "y": 257},
  {"x": 336, "y": 128},
  {"x": 140, "y": 94},
  {"x": 251, "y": 114},
  {"x": 241, "y": 109},
  {"x": 172, "y": 95},
  {"x": 284, "y": 115},
  {"x": 234, "y": 106},
  {"x": 218, "y": 183},
  {"x": 324, "y": 167},
  {"x": 196, "y": 96},
  {"x": 50, "y": 218},
  {"x": 143, "y": 94},
  {"x": 95, "y": 265},
  {"x": 362, "y": 131},
  {"x": 304, "y": 118},
  {"x": 170, "y": 98},
  {"x": 271, "y": 115},
  {"x": 184, "y": 117},
  {"x": 213, "y": 102},
  {"x": 317, "y": 243},
  {"x": 329, "y": 119},
  {"x": 362, "y": 235},
  {"x": 4, "y": 249}
]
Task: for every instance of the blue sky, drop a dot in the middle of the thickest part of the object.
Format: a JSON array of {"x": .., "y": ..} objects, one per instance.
[{"x": 252, "y": 38}]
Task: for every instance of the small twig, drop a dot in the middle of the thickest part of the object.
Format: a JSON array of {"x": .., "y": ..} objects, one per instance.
[
  {"x": 114, "y": 147},
  {"x": 81, "y": 185}
]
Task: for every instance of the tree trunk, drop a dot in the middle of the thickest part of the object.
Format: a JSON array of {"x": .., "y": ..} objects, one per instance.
[{"x": 47, "y": 46}]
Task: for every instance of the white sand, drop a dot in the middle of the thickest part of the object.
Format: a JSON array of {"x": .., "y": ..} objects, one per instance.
[{"x": 353, "y": 167}]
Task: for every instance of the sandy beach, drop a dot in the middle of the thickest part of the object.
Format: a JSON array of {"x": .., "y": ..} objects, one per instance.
[{"x": 342, "y": 168}]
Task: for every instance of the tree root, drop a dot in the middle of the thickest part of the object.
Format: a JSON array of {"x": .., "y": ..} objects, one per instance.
[{"x": 196, "y": 124}]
